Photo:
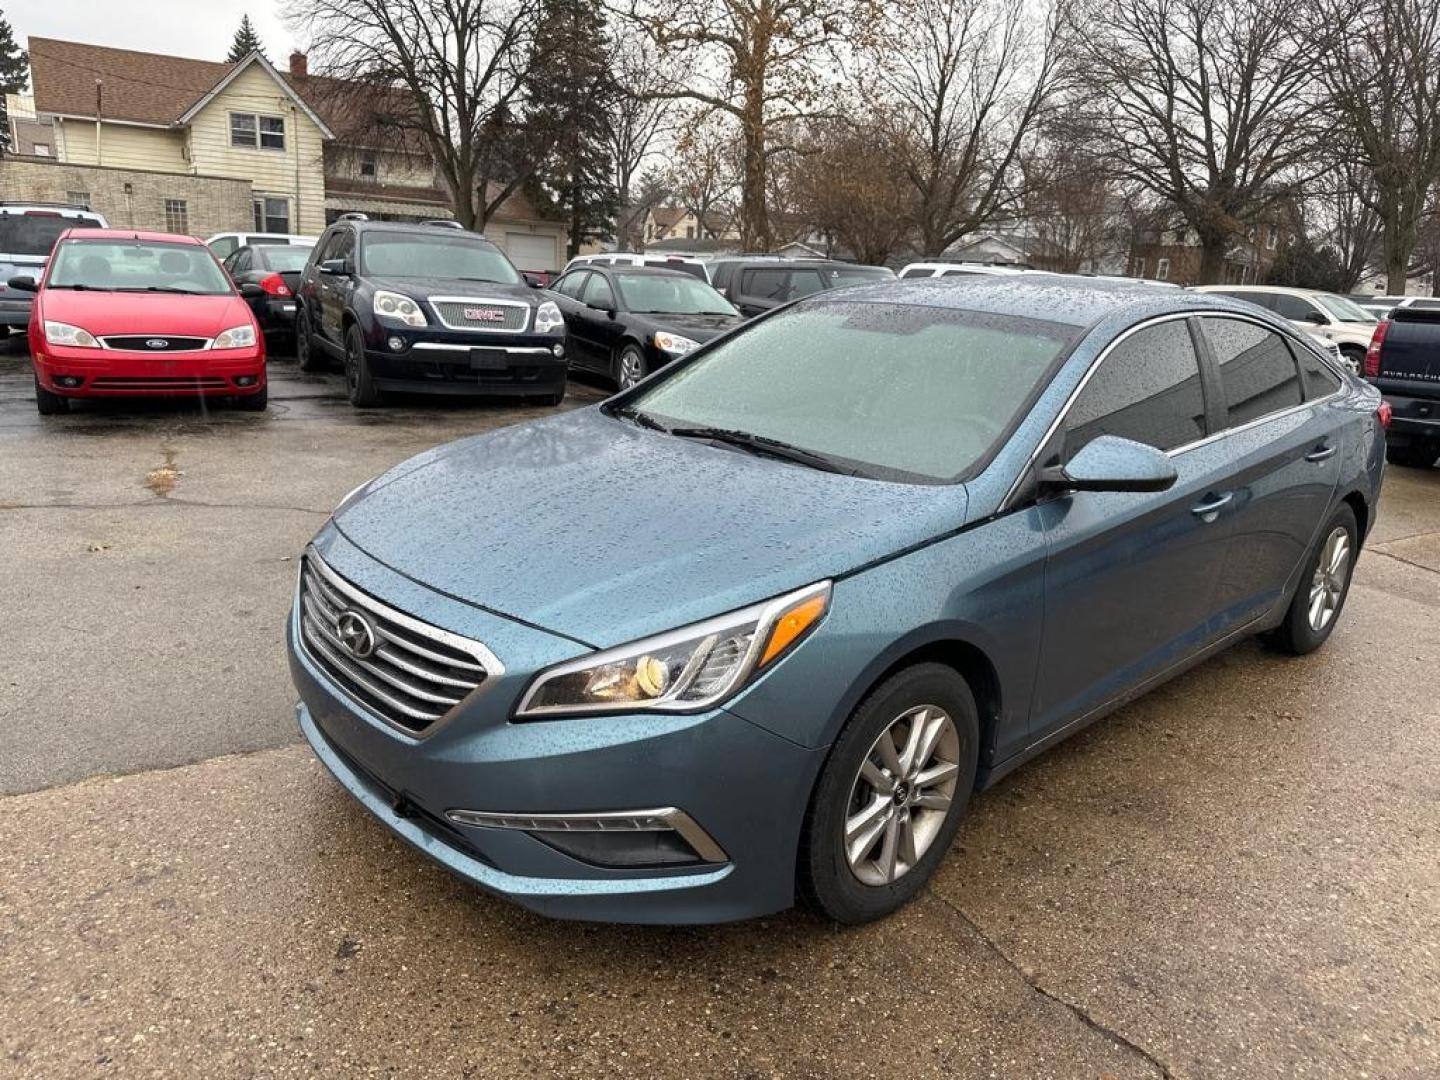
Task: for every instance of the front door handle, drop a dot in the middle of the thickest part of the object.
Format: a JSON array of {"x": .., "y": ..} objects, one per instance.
[
  {"x": 1209, "y": 510},
  {"x": 1320, "y": 453}
]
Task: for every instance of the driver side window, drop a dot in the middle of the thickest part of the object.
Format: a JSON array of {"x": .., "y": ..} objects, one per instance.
[
  {"x": 598, "y": 294},
  {"x": 1146, "y": 389}
]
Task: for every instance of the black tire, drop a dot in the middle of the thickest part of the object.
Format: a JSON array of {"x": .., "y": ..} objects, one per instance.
[
  {"x": 307, "y": 356},
  {"x": 48, "y": 404},
  {"x": 1414, "y": 455},
  {"x": 1298, "y": 635},
  {"x": 15, "y": 344},
  {"x": 632, "y": 355},
  {"x": 359, "y": 382},
  {"x": 1355, "y": 354},
  {"x": 255, "y": 402},
  {"x": 826, "y": 880}
]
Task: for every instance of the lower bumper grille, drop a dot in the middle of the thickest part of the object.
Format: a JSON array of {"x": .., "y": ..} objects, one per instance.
[
  {"x": 159, "y": 382},
  {"x": 406, "y": 672}
]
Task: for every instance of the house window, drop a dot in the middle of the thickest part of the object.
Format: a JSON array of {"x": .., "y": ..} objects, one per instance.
[
  {"x": 689, "y": 232},
  {"x": 1272, "y": 237},
  {"x": 42, "y": 149},
  {"x": 272, "y": 215},
  {"x": 265, "y": 132},
  {"x": 177, "y": 216},
  {"x": 368, "y": 167},
  {"x": 1162, "y": 269},
  {"x": 78, "y": 198},
  {"x": 1139, "y": 268}
]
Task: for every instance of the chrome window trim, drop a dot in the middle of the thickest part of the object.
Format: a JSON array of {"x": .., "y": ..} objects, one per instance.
[
  {"x": 1104, "y": 354},
  {"x": 522, "y": 328},
  {"x": 494, "y": 669},
  {"x": 669, "y": 818},
  {"x": 442, "y": 346}
]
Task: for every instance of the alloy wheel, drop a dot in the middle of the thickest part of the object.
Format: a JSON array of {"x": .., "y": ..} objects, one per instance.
[
  {"x": 1327, "y": 586},
  {"x": 632, "y": 368},
  {"x": 901, "y": 796}
]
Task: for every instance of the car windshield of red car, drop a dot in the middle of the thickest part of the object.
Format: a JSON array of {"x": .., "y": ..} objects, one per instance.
[{"x": 136, "y": 266}]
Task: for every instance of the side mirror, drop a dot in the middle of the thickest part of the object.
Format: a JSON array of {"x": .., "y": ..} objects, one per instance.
[
  {"x": 250, "y": 291},
  {"x": 336, "y": 267},
  {"x": 1316, "y": 318},
  {"x": 532, "y": 279},
  {"x": 1110, "y": 463},
  {"x": 23, "y": 283}
]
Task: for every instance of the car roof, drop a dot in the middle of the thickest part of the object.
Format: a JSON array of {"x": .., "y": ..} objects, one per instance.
[
  {"x": 129, "y": 234},
  {"x": 408, "y": 227},
  {"x": 1060, "y": 299},
  {"x": 1286, "y": 289},
  {"x": 644, "y": 271}
]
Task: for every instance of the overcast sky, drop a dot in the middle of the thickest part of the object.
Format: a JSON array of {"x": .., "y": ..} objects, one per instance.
[{"x": 198, "y": 28}]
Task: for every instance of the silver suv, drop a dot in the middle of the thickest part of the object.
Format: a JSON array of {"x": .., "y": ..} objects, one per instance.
[{"x": 27, "y": 233}]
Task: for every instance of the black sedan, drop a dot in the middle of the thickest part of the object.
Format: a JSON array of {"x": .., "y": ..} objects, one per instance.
[
  {"x": 276, "y": 269},
  {"x": 627, "y": 321}
]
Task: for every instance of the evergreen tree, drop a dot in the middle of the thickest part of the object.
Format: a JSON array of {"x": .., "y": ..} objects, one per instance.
[
  {"x": 1305, "y": 265},
  {"x": 246, "y": 41},
  {"x": 14, "y": 74},
  {"x": 568, "y": 104}
]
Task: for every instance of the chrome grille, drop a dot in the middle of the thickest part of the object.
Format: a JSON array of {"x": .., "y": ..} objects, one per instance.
[
  {"x": 415, "y": 674},
  {"x": 495, "y": 316}
]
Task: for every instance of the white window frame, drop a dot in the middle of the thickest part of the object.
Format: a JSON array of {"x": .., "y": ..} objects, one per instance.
[
  {"x": 177, "y": 210},
  {"x": 1162, "y": 269},
  {"x": 260, "y": 212},
  {"x": 371, "y": 161},
  {"x": 79, "y": 199},
  {"x": 42, "y": 149},
  {"x": 256, "y": 131}
]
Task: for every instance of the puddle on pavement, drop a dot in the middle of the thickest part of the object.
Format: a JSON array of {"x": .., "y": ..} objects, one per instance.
[{"x": 162, "y": 480}]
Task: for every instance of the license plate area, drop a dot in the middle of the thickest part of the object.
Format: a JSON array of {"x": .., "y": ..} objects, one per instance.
[{"x": 489, "y": 360}]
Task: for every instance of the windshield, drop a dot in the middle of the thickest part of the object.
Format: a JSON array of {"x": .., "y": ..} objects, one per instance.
[
  {"x": 285, "y": 259},
  {"x": 36, "y": 233},
  {"x": 137, "y": 266},
  {"x": 897, "y": 391},
  {"x": 671, "y": 294},
  {"x": 407, "y": 255},
  {"x": 1343, "y": 309}
]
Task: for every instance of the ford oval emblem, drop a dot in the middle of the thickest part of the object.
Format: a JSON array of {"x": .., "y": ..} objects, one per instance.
[{"x": 156, "y": 343}]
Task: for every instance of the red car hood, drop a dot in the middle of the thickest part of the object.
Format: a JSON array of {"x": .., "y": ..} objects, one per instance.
[{"x": 105, "y": 313}]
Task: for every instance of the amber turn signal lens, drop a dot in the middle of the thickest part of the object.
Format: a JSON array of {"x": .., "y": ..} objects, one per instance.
[{"x": 790, "y": 626}]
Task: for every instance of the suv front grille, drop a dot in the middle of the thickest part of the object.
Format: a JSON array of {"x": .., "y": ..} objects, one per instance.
[
  {"x": 406, "y": 672},
  {"x": 459, "y": 313}
]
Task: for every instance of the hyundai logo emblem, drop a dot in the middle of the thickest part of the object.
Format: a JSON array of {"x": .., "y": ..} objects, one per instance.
[
  {"x": 356, "y": 634},
  {"x": 156, "y": 343}
]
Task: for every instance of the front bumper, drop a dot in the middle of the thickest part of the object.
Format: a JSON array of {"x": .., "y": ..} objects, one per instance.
[
  {"x": 117, "y": 373},
  {"x": 745, "y": 787},
  {"x": 433, "y": 360}
]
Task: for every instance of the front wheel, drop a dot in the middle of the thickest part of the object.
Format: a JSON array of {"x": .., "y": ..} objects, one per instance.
[
  {"x": 629, "y": 367},
  {"x": 891, "y": 795},
  {"x": 1324, "y": 586},
  {"x": 1354, "y": 357},
  {"x": 49, "y": 404},
  {"x": 359, "y": 382}
]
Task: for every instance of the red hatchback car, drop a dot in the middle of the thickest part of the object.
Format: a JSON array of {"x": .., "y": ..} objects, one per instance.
[{"x": 136, "y": 314}]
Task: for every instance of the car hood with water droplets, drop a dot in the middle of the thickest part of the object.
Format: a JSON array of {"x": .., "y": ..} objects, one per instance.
[{"x": 591, "y": 527}]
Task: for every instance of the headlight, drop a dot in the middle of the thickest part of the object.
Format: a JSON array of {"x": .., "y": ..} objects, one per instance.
[
  {"x": 59, "y": 333},
  {"x": 674, "y": 344},
  {"x": 237, "y": 337},
  {"x": 548, "y": 317},
  {"x": 684, "y": 670},
  {"x": 389, "y": 305}
]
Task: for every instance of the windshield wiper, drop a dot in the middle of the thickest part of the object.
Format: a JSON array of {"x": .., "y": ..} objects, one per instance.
[
  {"x": 84, "y": 288},
  {"x": 163, "y": 289},
  {"x": 763, "y": 444},
  {"x": 486, "y": 280},
  {"x": 644, "y": 419}
]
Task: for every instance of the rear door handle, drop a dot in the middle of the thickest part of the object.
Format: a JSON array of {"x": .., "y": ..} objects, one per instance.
[
  {"x": 1209, "y": 510},
  {"x": 1320, "y": 453}
]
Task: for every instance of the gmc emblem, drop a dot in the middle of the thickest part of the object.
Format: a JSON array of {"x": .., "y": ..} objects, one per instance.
[{"x": 484, "y": 314}]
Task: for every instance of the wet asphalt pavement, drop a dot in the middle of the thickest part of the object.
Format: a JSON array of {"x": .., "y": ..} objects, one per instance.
[{"x": 1236, "y": 876}]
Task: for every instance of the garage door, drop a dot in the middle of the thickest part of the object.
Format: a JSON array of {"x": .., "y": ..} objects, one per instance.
[{"x": 531, "y": 252}]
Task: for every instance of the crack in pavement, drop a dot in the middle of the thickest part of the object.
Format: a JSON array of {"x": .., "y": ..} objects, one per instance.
[
  {"x": 150, "y": 504},
  {"x": 1075, "y": 1010},
  {"x": 1407, "y": 562}
]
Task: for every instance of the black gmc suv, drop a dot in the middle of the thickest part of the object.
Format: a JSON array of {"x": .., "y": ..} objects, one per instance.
[
  {"x": 427, "y": 309},
  {"x": 1404, "y": 364}
]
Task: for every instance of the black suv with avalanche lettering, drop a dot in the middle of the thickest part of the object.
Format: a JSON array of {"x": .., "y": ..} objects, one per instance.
[{"x": 426, "y": 309}]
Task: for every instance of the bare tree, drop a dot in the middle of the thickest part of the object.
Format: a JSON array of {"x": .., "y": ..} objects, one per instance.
[
  {"x": 704, "y": 173},
  {"x": 1072, "y": 205},
  {"x": 1339, "y": 206},
  {"x": 638, "y": 117},
  {"x": 463, "y": 67},
  {"x": 651, "y": 190},
  {"x": 759, "y": 61},
  {"x": 1384, "y": 75},
  {"x": 1212, "y": 105},
  {"x": 964, "y": 82}
]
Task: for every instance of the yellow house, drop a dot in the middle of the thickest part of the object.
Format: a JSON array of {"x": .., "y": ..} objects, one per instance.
[{"x": 156, "y": 141}]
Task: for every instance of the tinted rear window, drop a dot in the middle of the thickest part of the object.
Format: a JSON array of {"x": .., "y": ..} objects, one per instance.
[
  {"x": 35, "y": 234},
  {"x": 1257, "y": 372}
]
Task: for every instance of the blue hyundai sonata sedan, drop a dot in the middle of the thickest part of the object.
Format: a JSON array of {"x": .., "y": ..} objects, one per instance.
[{"x": 757, "y": 629}]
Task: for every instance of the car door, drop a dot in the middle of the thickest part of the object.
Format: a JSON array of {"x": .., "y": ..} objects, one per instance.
[
  {"x": 601, "y": 329},
  {"x": 567, "y": 298},
  {"x": 335, "y": 289},
  {"x": 1283, "y": 444},
  {"x": 1129, "y": 578}
]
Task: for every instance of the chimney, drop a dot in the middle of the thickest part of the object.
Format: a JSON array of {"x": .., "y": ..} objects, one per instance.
[{"x": 299, "y": 64}]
